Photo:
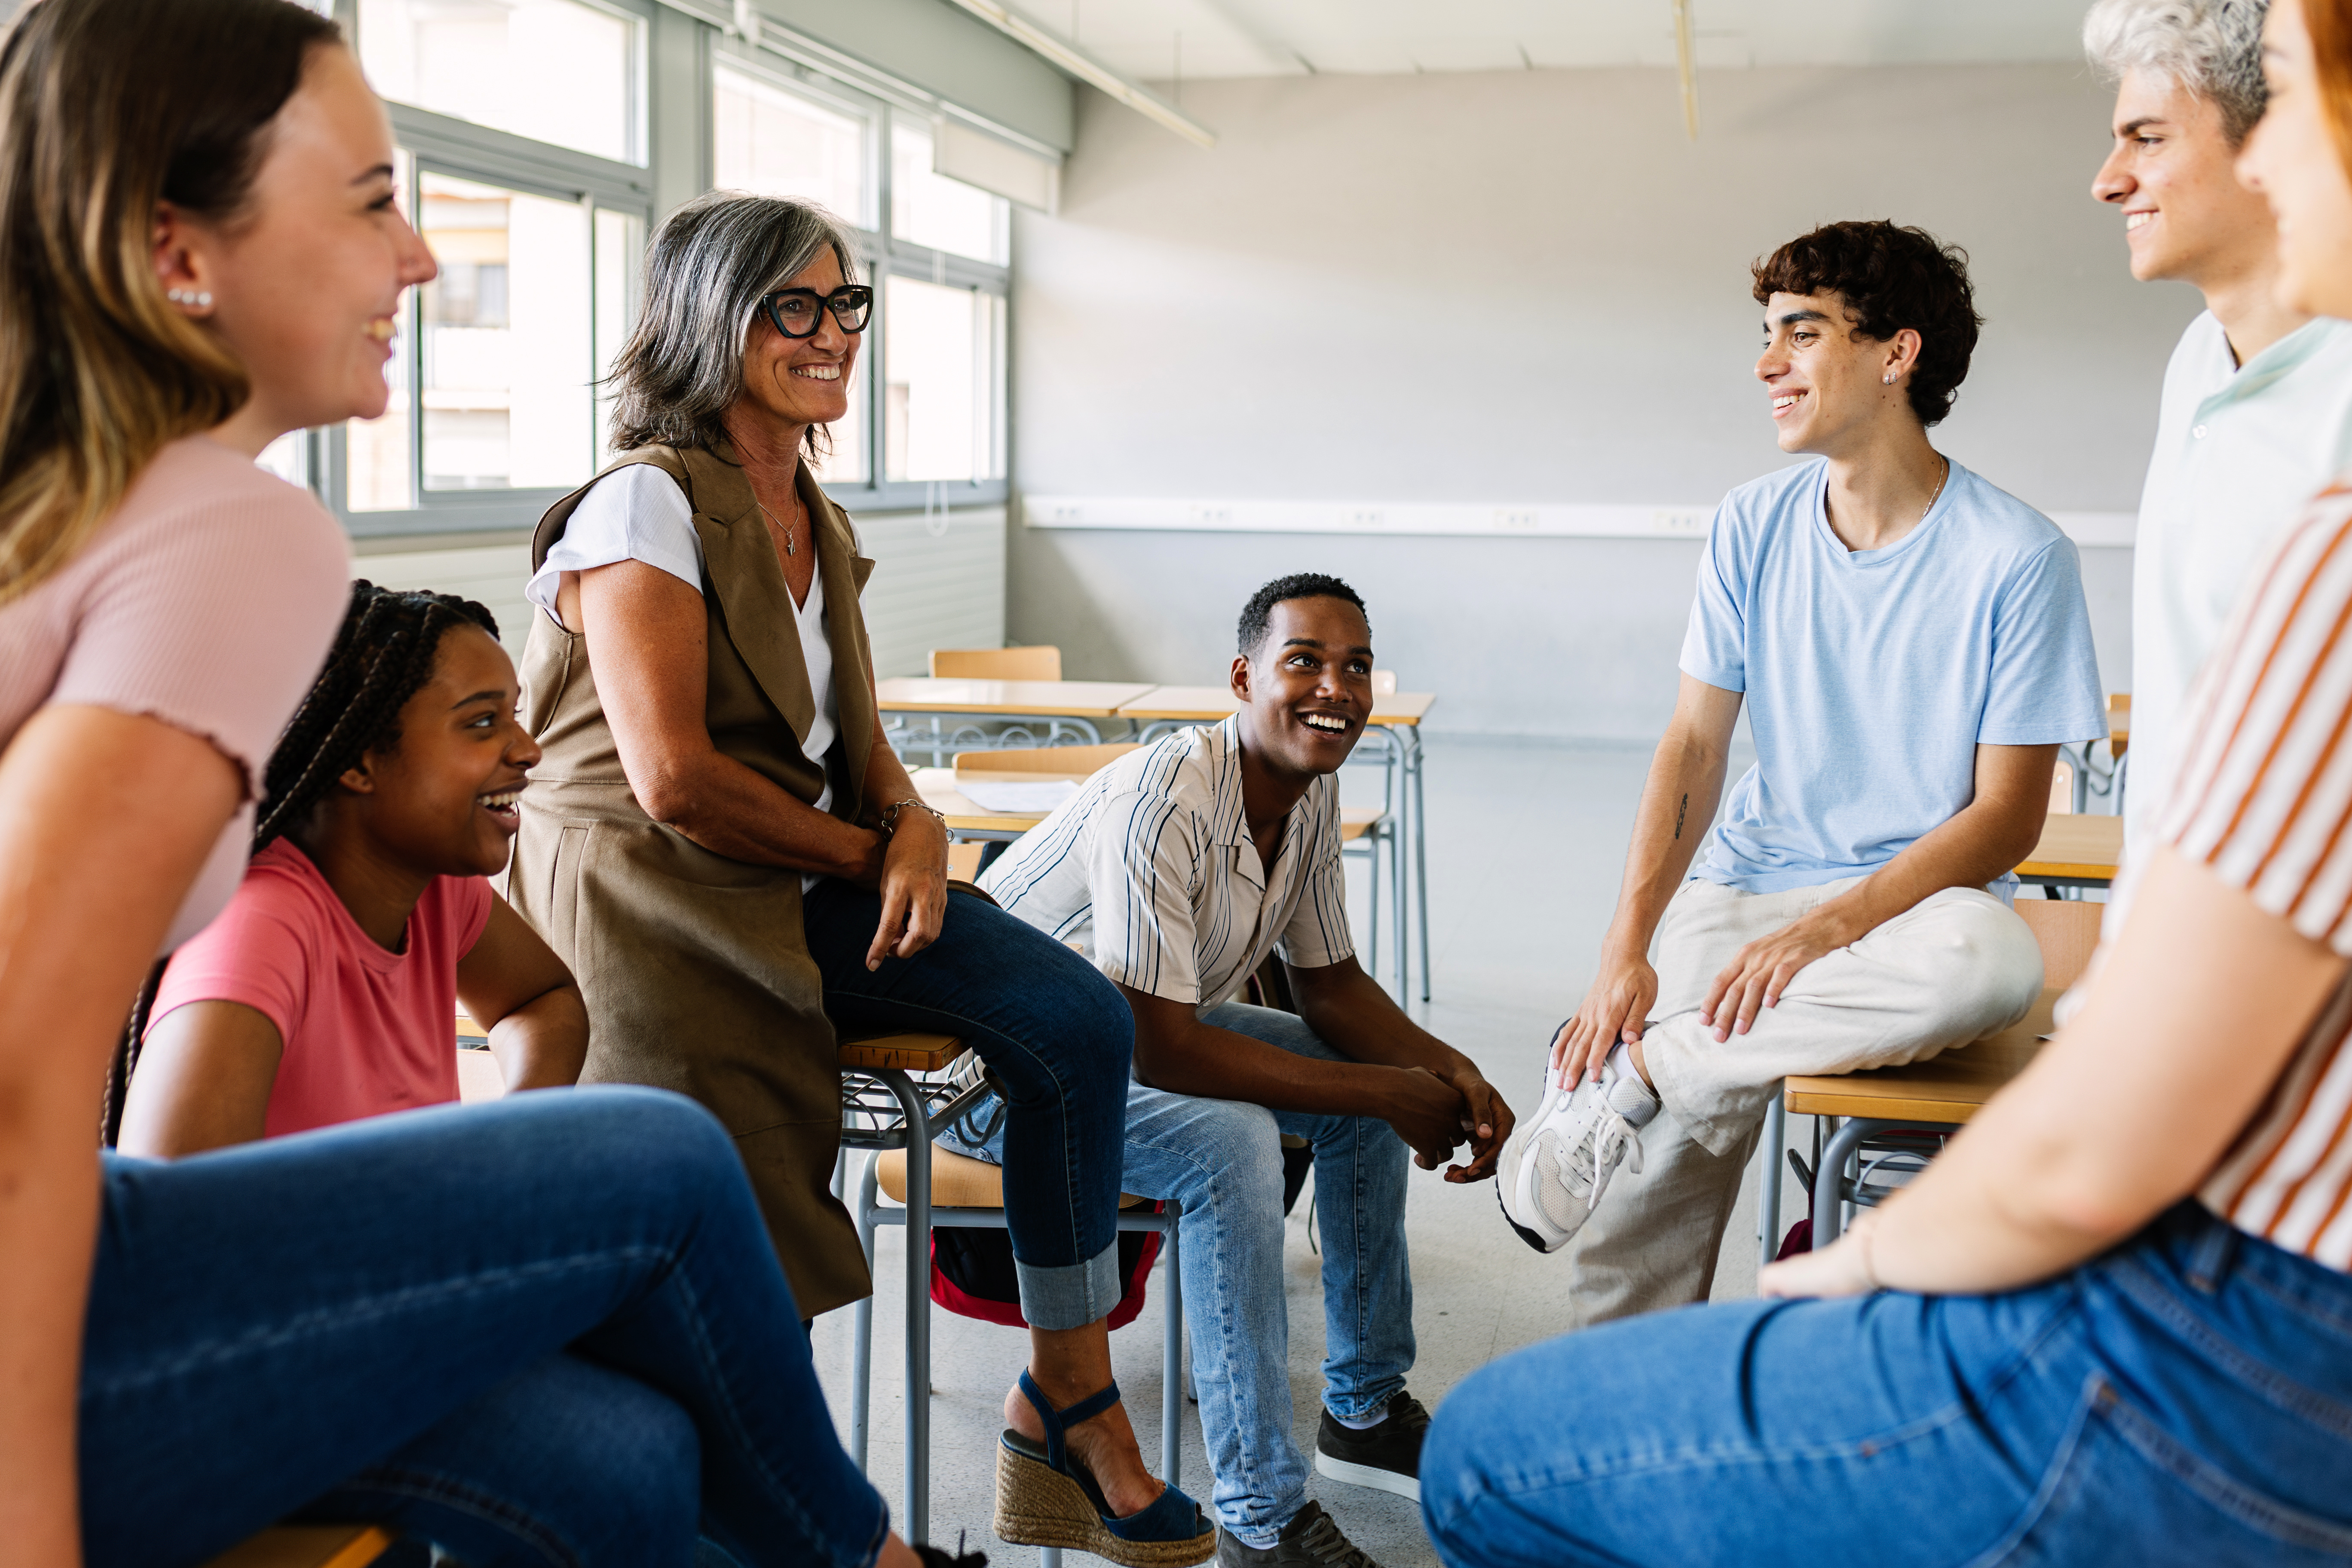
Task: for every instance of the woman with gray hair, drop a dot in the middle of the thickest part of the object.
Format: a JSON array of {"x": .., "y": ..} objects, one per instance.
[{"x": 728, "y": 853}]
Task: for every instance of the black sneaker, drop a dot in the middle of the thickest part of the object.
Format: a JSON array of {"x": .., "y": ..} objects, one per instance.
[
  {"x": 1310, "y": 1540},
  {"x": 1386, "y": 1457}
]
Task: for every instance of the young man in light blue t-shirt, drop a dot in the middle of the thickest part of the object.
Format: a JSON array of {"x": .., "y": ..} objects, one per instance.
[{"x": 1913, "y": 648}]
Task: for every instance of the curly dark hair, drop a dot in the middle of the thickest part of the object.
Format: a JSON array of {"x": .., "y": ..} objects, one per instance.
[
  {"x": 382, "y": 656},
  {"x": 1890, "y": 277},
  {"x": 1297, "y": 586}
]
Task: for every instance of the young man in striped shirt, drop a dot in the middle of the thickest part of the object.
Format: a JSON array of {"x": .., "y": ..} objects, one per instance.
[{"x": 1179, "y": 868}]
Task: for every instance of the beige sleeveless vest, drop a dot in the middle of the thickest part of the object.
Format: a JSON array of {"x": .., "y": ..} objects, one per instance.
[{"x": 696, "y": 971}]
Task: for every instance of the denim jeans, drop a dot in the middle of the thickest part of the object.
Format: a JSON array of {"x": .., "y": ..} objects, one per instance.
[
  {"x": 1222, "y": 1159},
  {"x": 1055, "y": 1032},
  {"x": 550, "y": 1330},
  {"x": 2185, "y": 1399}
]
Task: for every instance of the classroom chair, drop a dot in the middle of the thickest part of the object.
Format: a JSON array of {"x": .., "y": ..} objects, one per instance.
[
  {"x": 1874, "y": 1130},
  {"x": 308, "y": 1546},
  {"x": 1040, "y": 661},
  {"x": 970, "y": 1193}
]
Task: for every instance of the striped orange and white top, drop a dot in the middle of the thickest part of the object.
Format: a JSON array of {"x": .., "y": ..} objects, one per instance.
[{"x": 2264, "y": 798}]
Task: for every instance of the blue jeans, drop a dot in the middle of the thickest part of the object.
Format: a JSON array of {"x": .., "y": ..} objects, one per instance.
[
  {"x": 550, "y": 1330},
  {"x": 1056, "y": 1035},
  {"x": 2185, "y": 1399},
  {"x": 1222, "y": 1159}
]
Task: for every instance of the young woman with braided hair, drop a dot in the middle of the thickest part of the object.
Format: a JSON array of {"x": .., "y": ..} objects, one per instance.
[
  {"x": 545, "y": 1330},
  {"x": 323, "y": 992}
]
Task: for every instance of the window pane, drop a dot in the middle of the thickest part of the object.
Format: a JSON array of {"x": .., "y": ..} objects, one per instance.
[
  {"x": 379, "y": 465},
  {"x": 778, "y": 143},
  {"x": 620, "y": 286},
  {"x": 939, "y": 394},
  {"x": 507, "y": 400},
  {"x": 289, "y": 457},
  {"x": 932, "y": 209},
  {"x": 554, "y": 70}
]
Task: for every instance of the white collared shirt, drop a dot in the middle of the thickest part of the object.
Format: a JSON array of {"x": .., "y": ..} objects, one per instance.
[
  {"x": 2238, "y": 452},
  {"x": 1150, "y": 867}
]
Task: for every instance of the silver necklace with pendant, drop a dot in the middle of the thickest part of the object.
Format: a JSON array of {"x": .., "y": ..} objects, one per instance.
[{"x": 792, "y": 549}]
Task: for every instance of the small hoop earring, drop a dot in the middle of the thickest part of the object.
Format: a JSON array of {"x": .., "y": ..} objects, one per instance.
[
  {"x": 200, "y": 297},
  {"x": 1889, "y": 379}
]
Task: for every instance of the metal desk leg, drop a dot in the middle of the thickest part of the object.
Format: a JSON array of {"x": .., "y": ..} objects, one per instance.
[
  {"x": 1419, "y": 851},
  {"x": 916, "y": 1522},
  {"x": 1829, "y": 1178},
  {"x": 1171, "y": 1395},
  {"x": 1403, "y": 910},
  {"x": 1767, "y": 1200},
  {"x": 861, "y": 1344}
]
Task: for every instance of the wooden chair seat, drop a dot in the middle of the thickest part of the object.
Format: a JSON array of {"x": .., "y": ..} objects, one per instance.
[
  {"x": 1355, "y": 821},
  {"x": 958, "y": 1181},
  {"x": 308, "y": 1546},
  {"x": 908, "y": 1053},
  {"x": 1945, "y": 1088}
]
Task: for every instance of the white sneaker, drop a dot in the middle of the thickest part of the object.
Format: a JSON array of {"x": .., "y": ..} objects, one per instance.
[{"x": 1558, "y": 1161}]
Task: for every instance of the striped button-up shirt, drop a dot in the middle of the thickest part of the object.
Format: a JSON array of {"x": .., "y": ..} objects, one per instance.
[
  {"x": 1151, "y": 868},
  {"x": 2263, "y": 797}
]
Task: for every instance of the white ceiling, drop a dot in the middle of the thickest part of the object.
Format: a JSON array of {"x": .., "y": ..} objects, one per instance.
[{"x": 1144, "y": 38}]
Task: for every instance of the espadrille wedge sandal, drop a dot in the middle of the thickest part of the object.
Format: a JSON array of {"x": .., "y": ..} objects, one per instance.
[{"x": 1046, "y": 1497}]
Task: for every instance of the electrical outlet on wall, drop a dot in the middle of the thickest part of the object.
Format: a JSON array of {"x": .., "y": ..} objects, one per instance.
[
  {"x": 1682, "y": 521},
  {"x": 1515, "y": 520}
]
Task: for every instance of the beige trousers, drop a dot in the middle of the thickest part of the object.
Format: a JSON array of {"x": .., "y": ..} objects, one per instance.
[{"x": 1957, "y": 966}]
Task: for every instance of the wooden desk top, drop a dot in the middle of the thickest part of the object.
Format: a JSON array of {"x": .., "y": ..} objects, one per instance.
[
  {"x": 1204, "y": 704},
  {"x": 1946, "y": 1088},
  {"x": 1014, "y": 698},
  {"x": 2119, "y": 722},
  {"x": 910, "y": 1053},
  {"x": 2076, "y": 844},
  {"x": 964, "y": 815}
]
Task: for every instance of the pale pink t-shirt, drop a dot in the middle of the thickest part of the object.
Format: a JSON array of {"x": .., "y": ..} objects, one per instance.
[
  {"x": 366, "y": 1031},
  {"x": 208, "y": 601}
]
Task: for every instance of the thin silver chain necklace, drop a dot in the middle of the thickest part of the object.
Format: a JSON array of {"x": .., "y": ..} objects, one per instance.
[
  {"x": 792, "y": 549},
  {"x": 1939, "y": 492}
]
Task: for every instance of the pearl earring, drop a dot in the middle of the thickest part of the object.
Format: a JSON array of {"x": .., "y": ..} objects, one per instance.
[{"x": 200, "y": 297}]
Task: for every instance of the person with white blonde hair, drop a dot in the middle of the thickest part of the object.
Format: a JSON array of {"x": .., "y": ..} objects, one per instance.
[{"x": 2257, "y": 409}]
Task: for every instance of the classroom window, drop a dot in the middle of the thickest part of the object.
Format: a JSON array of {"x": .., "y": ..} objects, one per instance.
[
  {"x": 931, "y": 210},
  {"x": 563, "y": 71},
  {"x": 941, "y": 389},
  {"x": 505, "y": 340},
  {"x": 781, "y": 143}
]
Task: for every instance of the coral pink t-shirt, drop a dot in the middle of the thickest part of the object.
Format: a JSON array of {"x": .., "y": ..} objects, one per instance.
[{"x": 366, "y": 1031}]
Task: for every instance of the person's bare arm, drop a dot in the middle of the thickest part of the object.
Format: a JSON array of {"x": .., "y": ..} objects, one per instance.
[
  {"x": 647, "y": 636},
  {"x": 1678, "y": 800},
  {"x": 513, "y": 985},
  {"x": 1984, "y": 839},
  {"x": 2194, "y": 1013},
  {"x": 1350, "y": 1013},
  {"x": 105, "y": 820},
  {"x": 1175, "y": 1051},
  {"x": 204, "y": 1082}
]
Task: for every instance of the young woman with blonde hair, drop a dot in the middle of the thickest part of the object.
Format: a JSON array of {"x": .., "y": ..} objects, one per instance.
[{"x": 547, "y": 1332}]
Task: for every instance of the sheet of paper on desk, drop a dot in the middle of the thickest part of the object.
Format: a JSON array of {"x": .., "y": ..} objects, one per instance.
[{"x": 1007, "y": 796}]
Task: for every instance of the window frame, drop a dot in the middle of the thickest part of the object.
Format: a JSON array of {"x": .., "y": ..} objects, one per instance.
[
  {"x": 881, "y": 254},
  {"x": 444, "y": 145}
]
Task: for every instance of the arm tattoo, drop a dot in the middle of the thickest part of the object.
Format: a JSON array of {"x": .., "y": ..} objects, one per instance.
[{"x": 1679, "y": 810}]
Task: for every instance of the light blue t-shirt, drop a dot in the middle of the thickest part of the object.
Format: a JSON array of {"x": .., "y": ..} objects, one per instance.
[{"x": 1871, "y": 677}]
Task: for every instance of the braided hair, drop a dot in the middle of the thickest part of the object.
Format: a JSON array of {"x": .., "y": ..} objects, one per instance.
[{"x": 382, "y": 656}]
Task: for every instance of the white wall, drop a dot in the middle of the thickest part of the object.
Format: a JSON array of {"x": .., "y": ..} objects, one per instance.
[{"x": 1527, "y": 287}]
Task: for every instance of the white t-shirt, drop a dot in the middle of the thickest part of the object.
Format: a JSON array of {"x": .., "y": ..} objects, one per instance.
[
  {"x": 639, "y": 513},
  {"x": 2238, "y": 452}
]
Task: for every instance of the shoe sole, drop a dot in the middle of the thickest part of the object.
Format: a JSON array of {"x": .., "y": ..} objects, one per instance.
[
  {"x": 1037, "y": 1505},
  {"x": 1530, "y": 1238},
  {"x": 1366, "y": 1476}
]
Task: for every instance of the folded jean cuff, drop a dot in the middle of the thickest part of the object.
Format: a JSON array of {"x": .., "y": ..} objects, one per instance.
[{"x": 1072, "y": 1295}]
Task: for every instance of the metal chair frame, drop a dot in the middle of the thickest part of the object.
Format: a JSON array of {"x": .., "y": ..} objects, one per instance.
[{"x": 880, "y": 1109}]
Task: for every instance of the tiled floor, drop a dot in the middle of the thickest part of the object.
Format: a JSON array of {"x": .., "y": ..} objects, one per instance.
[{"x": 1526, "y": 846}]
